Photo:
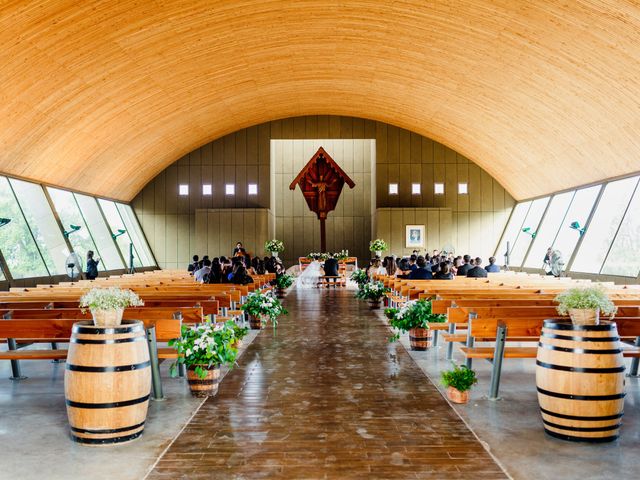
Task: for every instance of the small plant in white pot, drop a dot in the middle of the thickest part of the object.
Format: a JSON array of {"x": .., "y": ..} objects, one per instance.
[
  {"x": 274, "y": 246},
  {"x": 107, "y": 305},
  {"x": 584, "y": 305}
]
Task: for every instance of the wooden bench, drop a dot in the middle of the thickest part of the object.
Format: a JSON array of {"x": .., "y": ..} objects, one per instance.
[{"x": 332, "y": 281}]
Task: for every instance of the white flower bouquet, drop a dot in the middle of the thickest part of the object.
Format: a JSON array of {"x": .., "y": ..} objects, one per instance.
[
  {"x": 263, "y": 304},
  {"x": 107, "y": 304},
  {"x": 274, "y": 246},
  {"x": 378, "y": 245}
]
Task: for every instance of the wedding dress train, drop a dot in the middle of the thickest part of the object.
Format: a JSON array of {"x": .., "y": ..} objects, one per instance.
[{"x": 310, "y": 277}]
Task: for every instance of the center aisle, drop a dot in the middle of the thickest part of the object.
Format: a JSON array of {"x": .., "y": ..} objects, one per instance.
[{"x": 326, "y": 396}]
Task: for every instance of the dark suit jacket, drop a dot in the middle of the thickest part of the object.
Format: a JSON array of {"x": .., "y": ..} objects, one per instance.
[
  {"x": 477, "y": 272},
  {"x": 462, "y": 271},
  {"x": 421, "y": 274},
  {"x": 331, "y": 267},
  {"x": 492, "y": 268}
]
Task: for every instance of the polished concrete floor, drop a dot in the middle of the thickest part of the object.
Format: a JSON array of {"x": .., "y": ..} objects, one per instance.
[{"x": 326, "y": 396}]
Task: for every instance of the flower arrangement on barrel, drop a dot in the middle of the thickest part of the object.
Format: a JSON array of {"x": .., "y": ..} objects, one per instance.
[
  {"x": 360, "y": 277},
  {"x": 458, "y": 382},
  {"x": 282, "y": 282},
  {"x": 414, "y": 317},
  {"x": 203, "y": 349},
  {"x": 373, "y": 292},
  {"x": 107, "y": 304},
  {"x": 274, "y": 246},
  {"x": 262, "y": 307},
  {"x": 378, "y": 246},
  {"x": 584, "y": 305}
]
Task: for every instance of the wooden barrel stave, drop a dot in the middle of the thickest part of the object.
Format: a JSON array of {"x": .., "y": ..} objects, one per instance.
[
  {"x": 580, "y": 381},
  {"x": 203, "y": 387},
  {"x": 107, "y": 383},
  {"x": 420, "y": 339}
]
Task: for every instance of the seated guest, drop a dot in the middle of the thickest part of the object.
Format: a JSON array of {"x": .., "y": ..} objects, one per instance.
[
  {"x": 193, "y": 266},
  {"x": 477, "y": 271},
  {"x": 412, "y": 262},
  {"x": 492, "y": 267},
  {"x": 215, "y": 276},
  {"x": 445, "y": 272},
  {"x": 422, "y": 270},
  {"x": 240, "y": 276},
  {"x": 202, "y": 274},
  {"x": 403, "y": 269},
  {"x": 465, "y": 267}
]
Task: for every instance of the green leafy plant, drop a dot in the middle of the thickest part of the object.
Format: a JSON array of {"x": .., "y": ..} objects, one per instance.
[
  {"x": 589, "y": 298},
  {"x": 284, "y": 281},
  {"x": 240, "y": 332},
  {"x": 372, "y": 291},
  {"x": 109, "y": 299},
  {"x": 259, "y": 303},
  {"x": 205, "y": 345},
  {"x": 378, "y": 245},
  {"x": 413, "y": 314},
  {"x": 390, "y": 313},
  {"x": 460, "y": 377},
  {"x": 274, "y": 246},
  {"x": 360, "y": 277}
]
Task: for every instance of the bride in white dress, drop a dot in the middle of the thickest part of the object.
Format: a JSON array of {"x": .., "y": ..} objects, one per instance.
[{"x": 310, "y": 276}]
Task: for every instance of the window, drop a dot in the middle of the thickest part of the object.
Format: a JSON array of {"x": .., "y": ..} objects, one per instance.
[
  {"x": 253, "y": 189},
  {"x": 603, "y": 225},
  {"x": 100, "y": 232},
  {"x": 43, "y": 224},
  {"x": 463, "y": 189},
  {"x": 116, "y": 224},
  {"x": 415, "y": 189},
  {"x": 69, "y": 213},
  {"x": 139, "y": 242},
  {"x": 393, "y": 189},
  {"x": 530, "y": 224},
  {"x": 548, "y": 230},
  {"x": 230, "y": 189},
  {"x": 438, "y": 188},
  {"x": 16, "y": 242},
  {"x": 624, "y": 256},
  {"x": 512, "y": 229},
  {"x": 183, "y": 189},
  {"x": 206, "y": 189}
]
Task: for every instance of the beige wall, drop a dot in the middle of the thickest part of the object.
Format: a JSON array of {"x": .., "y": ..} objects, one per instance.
[{"x": 477, "y": 219}]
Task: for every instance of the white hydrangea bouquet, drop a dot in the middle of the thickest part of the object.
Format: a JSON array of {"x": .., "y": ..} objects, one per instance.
[
  {"x": 274, "y": 246},
  {"x": 261, "y": 304},
  {"x": 378, "y": 245},
  {"x": 372, "y": 291},
  {"x": 205, "y": 346},
  {"x": 107, "y": 304}
]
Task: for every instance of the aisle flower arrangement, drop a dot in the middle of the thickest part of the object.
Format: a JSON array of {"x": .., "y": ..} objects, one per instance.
[
  {"x": 360, "y": 277},
  {"x": 107, "y": 304},
  {"x": 378, "y": 246},
  {"x": 274, "y": 246},
  {"x": 414, "y": 317},
  {"x": 263, "y": 306},
  {"x": 372, "y": 291}
]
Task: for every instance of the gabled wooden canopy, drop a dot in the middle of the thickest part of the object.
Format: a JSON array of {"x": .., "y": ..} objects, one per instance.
[{"x": 321, "y": 153}]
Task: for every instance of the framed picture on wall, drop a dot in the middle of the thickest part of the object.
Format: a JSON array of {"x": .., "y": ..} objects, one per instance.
[{"x": 414, "y": 237}]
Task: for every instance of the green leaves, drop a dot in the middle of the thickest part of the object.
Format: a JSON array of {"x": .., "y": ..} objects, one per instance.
[
  {"x": 360, "y": 277},
  {"x": 259, "y": 303},
  {"x": 590, "y": 298},
  {"x": 110, "y": 299},
  {"x": 414, "y": 314},
  {"x": 274, "y": 245},
  {"x": 284, "y": 281},
  {"x": 460, "y": 377},
  {"x": 378, "y": 245},
  {"x": 372, "y": 291}
]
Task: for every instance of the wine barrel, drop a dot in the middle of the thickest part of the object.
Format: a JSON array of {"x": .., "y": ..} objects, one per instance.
[
  {"x": 107, "y": 382},
  {"x": 420, "y": 339},
  {"x": 580, "y": 380}
]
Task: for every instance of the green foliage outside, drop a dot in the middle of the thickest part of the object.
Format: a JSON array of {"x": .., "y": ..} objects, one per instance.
[{"x": 460, "y": 377}]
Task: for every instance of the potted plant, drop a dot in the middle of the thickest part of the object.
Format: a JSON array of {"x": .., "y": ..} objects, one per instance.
[
  {"x": 390, "y": 313},
  {"x": 262, "y": 307},
  {"x": 107, "y": 305},
  {"x": 372, "y": 291},
  {"x": 584, "y": 305},
  {"x": 360, "y": 277},
  {"x": 458, "y": 382},
  {"x": 378, "y": 246},
  {"x": 283, "y": 282},
  {"x": 240, "y": 333},
  {"x": 414, "y": 317},
  {"x": 203, "y": 348},
  {"x": 274, "y": 246}
]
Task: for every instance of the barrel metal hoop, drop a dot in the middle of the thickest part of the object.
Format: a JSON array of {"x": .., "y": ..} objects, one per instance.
[
  {"x": 615, "y": 396},
  {"x": 580, "y": 339},
  {"x": 87, "y": 341},
  {"x": 603, "y": 327},
  {"x": 573, "y": 438},
  {"x": 106, "y": 441},
  {"x": 124, "y": 403},
  {"x": 87, "y": 327},
  {"x": 102, "y": 432},
  {"x": 548, "y": 346},
  {"x": 203, "y": 382},
  {"x": 583, "y": 429},
  {"x": 108, "y": 369},
  {"x": 585, "y": 419},
  {"x": 566, "y": 368}
]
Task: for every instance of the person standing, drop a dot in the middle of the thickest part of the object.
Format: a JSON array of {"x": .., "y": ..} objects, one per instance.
[{"x": 92, "y": 266}]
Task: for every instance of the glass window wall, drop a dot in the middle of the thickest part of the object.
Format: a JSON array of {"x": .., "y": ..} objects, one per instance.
[
  {"x": 117, "y": 225},
  {"x": 530, "y": 224},
  {"x": 100, "y": 232},
  {"x": 513, "y": 228},
  {"x": 139, "y": 242}
]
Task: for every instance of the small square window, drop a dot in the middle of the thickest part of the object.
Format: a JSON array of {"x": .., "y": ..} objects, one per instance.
[
  {"x": 253, "y": 189},
  {"x": 415, "y": 188},
  {"x": 230, "y": 189},
  {"x": 393, "y": 189},
  {"x": 438, "y": 188},
  {"x": 206, "y": 189},
  {"x": 183, "y": 190},
  {"x": 463, "y": 189}
]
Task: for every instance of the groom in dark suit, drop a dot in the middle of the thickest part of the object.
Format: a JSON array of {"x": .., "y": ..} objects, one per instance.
[{"x": 331, "y": 269}]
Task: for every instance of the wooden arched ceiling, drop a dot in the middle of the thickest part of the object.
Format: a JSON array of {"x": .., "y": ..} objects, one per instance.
[{"x": 100, "y": 96}]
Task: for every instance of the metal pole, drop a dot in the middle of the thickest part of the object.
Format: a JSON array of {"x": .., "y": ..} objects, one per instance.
[
  {"x": 498, "y": 355},
  {"x": 633, "y": 372},
  {"x": 16, "y": 373},
  {"x": 156, "y": 381}
]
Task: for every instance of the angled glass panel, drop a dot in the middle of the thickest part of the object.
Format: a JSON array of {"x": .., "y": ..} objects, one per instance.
[
  {"x": 116, "y": 224},
  {"x": 624, "y": 257},
  {"x": 137, "y": 236},
  {"x": 69, "y": 213},
  {"x": 2, "y": 277},
  {"x": 43, "y": 224},
  {"x": 579, "y": 210},
  {"x": 513, "y": 228},
  {"x": 531, "y": 222},
  {"x": 16, "y": 242},
  {"x": 548, "y": 230},
  {"x": 100, "y": 232},
  {"x": 603, "y": 226}
]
